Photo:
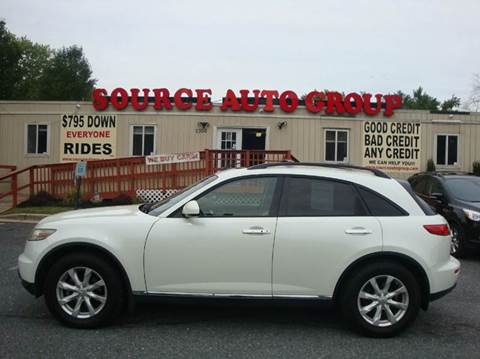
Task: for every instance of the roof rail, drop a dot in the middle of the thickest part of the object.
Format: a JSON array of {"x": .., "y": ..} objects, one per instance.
[
  {"x": 444, "y": 173},
  {"x": 376, "y": 172}
]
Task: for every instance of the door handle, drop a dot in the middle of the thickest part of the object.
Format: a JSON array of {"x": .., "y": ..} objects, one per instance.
[
  {"x": 358, "y": 230},
  {"x": 256, "y": 230}
]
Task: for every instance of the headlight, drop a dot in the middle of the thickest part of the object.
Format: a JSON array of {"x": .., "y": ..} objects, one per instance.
[
  {"x": 472, "y": 215},
  {"x": 39, "y": 234}
]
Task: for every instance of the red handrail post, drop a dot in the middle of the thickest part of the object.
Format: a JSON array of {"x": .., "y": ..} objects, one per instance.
[
  {"x": 208, "y": 162},
  {"x": 247, "y": 158},
  {"x": 288, "y": 157},
  {"x": 118, "y": 176},
  {"x": 174, "y": 176},
  {"x": 14, "y": 185},
  {"x": 31, "y": 182},
  {"x": 132, "y": 179}
]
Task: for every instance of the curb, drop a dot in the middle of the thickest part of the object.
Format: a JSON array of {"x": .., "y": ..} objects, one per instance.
[
  {"x": 22, "y": 218},
  {"x": 4, "y": 220}
]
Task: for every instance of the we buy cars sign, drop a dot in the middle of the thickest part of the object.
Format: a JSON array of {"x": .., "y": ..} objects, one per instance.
[{"x": 172, "y": 158}]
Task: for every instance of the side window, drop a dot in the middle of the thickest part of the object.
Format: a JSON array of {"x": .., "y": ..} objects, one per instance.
[
  {"x": 436, "y": 187},
  {"x": 447, "y": 150},
  {"x": 249, "y": 197},
  {"x": 336, "y": 145},
  {"x": 380, "y": 206},
  {"x": 143, "y": 140},
  {"x": 37, "y": 139},
  {"x": 305, "y": 196},
  {"x": 420, "y": 185}
]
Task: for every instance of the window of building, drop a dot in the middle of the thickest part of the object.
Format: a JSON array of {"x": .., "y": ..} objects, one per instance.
[
  {"x": 336, "y": 145},
  {"x": 306, "y": 197},
  {"x": 143, "y": 140},
  {"x": 249, "y": 197},
  {"x": 447, "y": 150},
  {"x": 37, "y": 138}
]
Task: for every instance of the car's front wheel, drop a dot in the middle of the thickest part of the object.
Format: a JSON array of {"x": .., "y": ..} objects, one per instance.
[
  {"x": 381, "y": 299},
  {"x": 83, "y": 290}
]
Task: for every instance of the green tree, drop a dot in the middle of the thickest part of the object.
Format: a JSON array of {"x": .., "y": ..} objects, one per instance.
[
  {"x": 450, "y": 104},
  {"x": 10, "y": 54},
  {"x": 31, "y": 66},
  {"x": 421, "y": 100},
  {"x": 67, "y": 76},
  {"x": 31, "y": 71}
]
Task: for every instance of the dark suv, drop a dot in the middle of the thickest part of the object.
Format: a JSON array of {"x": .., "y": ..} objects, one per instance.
[{"x": 456, "y": 196}]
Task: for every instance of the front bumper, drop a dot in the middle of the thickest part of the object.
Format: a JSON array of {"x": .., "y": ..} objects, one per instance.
[
  {"x": 30, "y": 287},
  {"x": 472, "y": 233}
]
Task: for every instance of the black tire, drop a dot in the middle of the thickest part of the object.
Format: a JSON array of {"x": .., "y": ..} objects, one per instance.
[
  {"x": 113, "y": 290},
  {"x": 460, "y": 250},
  {"x": 350, "y": 302}
]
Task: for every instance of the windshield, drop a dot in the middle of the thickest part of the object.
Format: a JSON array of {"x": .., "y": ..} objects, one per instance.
[
  {"x": 465, "y": 189},
  {"x": 161, "y": 206}
]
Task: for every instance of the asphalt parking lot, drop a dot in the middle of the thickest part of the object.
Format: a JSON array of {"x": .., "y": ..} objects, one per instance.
[{"x": 449, "y": 329}]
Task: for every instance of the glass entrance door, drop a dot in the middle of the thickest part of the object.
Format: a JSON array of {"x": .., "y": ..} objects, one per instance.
[{"x": 229, "y": 139}]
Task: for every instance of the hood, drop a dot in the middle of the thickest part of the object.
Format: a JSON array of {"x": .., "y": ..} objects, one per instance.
[
  {"x": 113, "y": 211},
  {"x": 474, "y": 206}
]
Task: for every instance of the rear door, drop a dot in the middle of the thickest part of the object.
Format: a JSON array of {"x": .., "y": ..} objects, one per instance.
[{"x": 323, "y": 224}]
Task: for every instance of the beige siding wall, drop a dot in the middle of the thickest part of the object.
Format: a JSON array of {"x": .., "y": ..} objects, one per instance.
[{"x": 176, "y": 131}]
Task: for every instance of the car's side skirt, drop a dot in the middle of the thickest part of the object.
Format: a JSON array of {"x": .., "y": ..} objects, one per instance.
[{"x": 228, "y": 295}]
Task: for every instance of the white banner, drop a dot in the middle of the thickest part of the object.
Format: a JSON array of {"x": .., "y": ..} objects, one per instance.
[
  {"x": 172, "y": 158},
  {"x": 392, "y": 146},
  {"x": 88, "y": 137}
]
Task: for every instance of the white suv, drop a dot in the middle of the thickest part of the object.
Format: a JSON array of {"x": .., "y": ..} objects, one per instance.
[{"x": 280, "y": 231}]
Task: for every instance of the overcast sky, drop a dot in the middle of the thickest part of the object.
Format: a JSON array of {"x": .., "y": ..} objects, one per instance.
[{"x": 349, "y": 45}]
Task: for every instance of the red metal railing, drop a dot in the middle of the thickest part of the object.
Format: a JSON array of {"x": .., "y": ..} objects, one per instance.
[{"x": 109, "y": 178}]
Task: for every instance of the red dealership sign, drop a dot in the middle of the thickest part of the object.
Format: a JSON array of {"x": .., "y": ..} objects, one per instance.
[{"x": 330, "y": 102}]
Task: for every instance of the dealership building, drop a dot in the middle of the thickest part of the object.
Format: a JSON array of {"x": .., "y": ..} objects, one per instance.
[{"x": 400, "y": 142}]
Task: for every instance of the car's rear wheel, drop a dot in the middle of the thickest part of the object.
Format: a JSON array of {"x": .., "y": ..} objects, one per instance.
[
  {"x": 381, "y": 299},
  {"x": 83, "y": 291},
  {"x": 457, "y": 246}
]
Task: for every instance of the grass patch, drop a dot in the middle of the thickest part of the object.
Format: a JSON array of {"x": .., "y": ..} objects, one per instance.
[{"x": 37, "y": 210}]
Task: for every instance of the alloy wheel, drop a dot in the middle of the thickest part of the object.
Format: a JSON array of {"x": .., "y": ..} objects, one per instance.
[
  {"x": 81, "y": 292},
  {"x": 383, "y": 301}
]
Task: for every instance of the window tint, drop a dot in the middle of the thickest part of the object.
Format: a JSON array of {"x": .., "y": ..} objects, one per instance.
[
  {"x": 249, "y": 197},
  {"x": 318, "y": 197},
  {"x": 380, "y": 206},
  {"x": 465, "y": 189},
  {"x": 422, "y": 204},
  {"x": 419, "y": 186},
  {"x": 436, "y": 187}
]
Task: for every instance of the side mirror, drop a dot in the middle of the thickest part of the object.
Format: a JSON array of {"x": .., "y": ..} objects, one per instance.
[
  {"x": 439, "y": 197},
  {"x": 191, "y": 209}
]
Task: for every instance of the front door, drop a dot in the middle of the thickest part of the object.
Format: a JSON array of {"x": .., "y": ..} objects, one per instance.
[
  {"x": 226, "y": 250},
  {"x": 229, "y": 139}
]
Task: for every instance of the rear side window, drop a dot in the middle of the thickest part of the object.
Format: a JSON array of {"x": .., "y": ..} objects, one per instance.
[
  {"x": 379, "y": 206},
  {"x": 305, "y": 196},
  {"x": 420, "y": 185},
  {"x": 421, "y": 203}
]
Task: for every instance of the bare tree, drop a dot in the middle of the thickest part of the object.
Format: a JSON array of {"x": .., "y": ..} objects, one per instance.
[{"x": 473, "y": 101}]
